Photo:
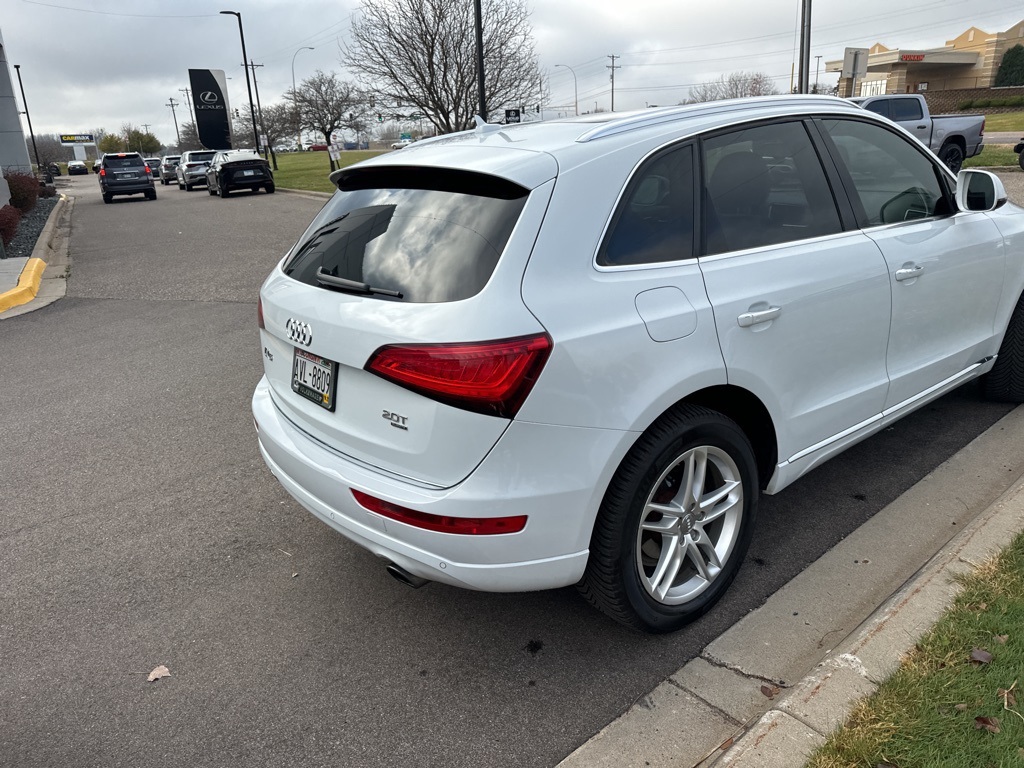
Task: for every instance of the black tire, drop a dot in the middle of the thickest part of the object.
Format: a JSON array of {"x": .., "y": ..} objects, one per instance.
[
  {"x": 188, "y": 187},
  {"x": 222, "y": 191},
  {"x": 107, "y": 197},
  {"x": 625, "y": 558},
  {"x": 1005, "y": 382},
  {"x": 180, "y": 185},
  {"x": 270, "y": 189},
  {"x": 952, "y": 156},
  {"x": 1020, "y": 160},
  {"x": 151, "y": 194}
]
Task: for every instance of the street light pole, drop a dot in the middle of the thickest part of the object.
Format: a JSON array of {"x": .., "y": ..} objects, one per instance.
[
  {"x": 35, "y": 149},
  {"x": 817, "y": 68},
  {"x": 248, "y": 85},
  {"x": 575, "y": 90},
  {"x": 295, "y": 104}
]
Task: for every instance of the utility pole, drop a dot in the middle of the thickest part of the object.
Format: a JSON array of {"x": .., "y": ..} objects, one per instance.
[
  {"x": 817, "y": 68},
  {"x": 481, "y": 91},
  {"x": 805, "y": 47},
  {"x": 188, "y": 101},
  {"x": 172, "y": 104},
  {"x": 613, "y": 67},
  {"x": 31, "y": 133},
  {"x": 259, "y": 109}
]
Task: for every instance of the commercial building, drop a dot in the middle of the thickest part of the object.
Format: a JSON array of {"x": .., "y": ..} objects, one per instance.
[{"x": 966, "y": 63}]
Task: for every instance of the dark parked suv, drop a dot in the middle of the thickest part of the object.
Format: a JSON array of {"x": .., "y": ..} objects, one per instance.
[{"x": 125, "y": 173}]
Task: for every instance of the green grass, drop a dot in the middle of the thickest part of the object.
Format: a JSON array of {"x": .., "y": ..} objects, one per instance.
[
  {"x": 1010, "y": 121},
  {"x": 925, "y": 714},
  {"x": 994, "y": 155},
  {"x": 309, "y": 170}
]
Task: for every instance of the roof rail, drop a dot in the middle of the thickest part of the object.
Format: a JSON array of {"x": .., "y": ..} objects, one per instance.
[{"x": 647, "y": 118}]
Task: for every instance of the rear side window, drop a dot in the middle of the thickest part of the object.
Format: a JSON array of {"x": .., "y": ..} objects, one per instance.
[
  {"x": 430, "y": 235},
  {"x": 654, "y": 221},
  {"x": 765, "y": 185},
  {"x": 906, "y": 109},
  {"x": 893, "y": 179}
]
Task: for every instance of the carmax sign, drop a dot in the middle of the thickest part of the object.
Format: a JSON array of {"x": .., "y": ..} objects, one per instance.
[{"x": 71, "y": 139}]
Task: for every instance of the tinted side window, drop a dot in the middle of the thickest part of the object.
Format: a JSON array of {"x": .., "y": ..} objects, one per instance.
[
  {"x": 906, "y": 109},
  {"x": 878, "y": 107},
  {"x": 765, "y": 185},
  {"x": 893, "y": 179},
  {"x": 654, "y": 222}
]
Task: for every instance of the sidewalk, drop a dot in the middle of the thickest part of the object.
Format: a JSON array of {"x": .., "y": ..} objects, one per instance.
[
  {"x": 28, "y": 283},
  {"x": 769, "y": 690}
]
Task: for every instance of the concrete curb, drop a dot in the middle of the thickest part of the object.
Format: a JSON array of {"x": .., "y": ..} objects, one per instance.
[
  {"x": 307, "y": 193},
  {"x": 44, "y": 277},
  {"x": 822, "y": 701},
  {"x": 766, "y": 691},
  {"x": 28, "y": 285}
]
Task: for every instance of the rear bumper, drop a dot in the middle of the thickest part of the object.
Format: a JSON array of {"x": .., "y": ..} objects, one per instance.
[
  {"x": 554, "y": 475},
  {"x": 127, "y": 187}
]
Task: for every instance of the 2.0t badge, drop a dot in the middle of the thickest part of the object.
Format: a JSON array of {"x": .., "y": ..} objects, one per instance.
[{"x": 299, "y": 332}]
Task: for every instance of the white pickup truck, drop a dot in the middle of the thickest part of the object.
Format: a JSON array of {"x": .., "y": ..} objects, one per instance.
[{"x": 952, "y": 137}]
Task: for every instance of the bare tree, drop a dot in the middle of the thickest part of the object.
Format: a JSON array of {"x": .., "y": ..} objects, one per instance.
[
  {"x": 278, "y": 124},
  {"x": 737, "y": 85},
  {"x": 189, "y": 138},
  {"x": 324, "y": 102},
  {"x": 422, "y": 53}
]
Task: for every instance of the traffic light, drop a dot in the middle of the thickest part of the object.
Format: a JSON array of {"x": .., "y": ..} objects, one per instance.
[{"x": 380, "y": 118}]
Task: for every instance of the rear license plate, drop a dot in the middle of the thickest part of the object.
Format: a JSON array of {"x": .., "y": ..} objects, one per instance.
[
  {"x": 314, "y": 378},
  {"x": 125, "y": 175},
  {"x": 248, "y": 173}
]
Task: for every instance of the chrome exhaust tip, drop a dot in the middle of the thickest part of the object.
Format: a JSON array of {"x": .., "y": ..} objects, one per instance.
[{"x": 402, "y": 575}]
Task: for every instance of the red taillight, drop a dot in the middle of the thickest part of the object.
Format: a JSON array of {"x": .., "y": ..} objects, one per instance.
[
  {"x": 103, "y": 171},
  {"x": 259, "y": 313},
  {"x": 983, "y": 126},
  {"x": 490, "y": 377},
  {"x": 470, "y": 526},
  {"x": 148, "y": 169}
]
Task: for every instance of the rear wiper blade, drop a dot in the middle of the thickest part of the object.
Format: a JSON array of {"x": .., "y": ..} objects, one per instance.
[{"x": 354, "y": 286}]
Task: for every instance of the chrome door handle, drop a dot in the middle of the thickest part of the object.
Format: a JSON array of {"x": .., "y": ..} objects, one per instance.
[
  {"x": 909, "y": 272},
  {"x": 748, "y": 319}
]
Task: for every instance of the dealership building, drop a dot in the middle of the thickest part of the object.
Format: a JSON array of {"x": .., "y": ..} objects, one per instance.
[{"x": 967, "y": 63}]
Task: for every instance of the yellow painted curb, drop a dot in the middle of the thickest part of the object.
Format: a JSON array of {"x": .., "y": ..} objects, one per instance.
[{"x": 28, "y": 285}]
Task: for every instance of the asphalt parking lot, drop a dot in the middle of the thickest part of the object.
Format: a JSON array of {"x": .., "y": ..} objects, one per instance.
[{"x": 142, "y": 529}]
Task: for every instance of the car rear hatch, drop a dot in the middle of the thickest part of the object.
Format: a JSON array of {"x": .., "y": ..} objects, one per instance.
[
  {"x": 197, "y": 163},
  {"x": 394, "y": 331},
  {"x": 119, "y": 170},
  {"x": 246, "y": 170}
]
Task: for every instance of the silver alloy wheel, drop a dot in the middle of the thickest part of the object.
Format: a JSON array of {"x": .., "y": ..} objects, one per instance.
[{"x": 689, "y": 525}]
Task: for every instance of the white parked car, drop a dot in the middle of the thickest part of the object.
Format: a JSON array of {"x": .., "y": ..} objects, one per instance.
[
  {"x": 575, "y": 352},
  {"x": 401, "y": 143}
]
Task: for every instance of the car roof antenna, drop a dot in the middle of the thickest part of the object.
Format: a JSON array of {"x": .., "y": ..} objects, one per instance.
[{"x": 482, "y": 126}]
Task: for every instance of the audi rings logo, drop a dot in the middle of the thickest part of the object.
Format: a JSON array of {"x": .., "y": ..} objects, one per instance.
[
  {"x": 299, "y": 332},
  {"x": 208, "y": 97}
]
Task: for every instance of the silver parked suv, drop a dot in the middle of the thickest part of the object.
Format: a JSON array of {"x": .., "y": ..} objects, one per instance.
[
  {"x": 125, "y": 173},
  {"x": 191, "y": 168},
  {"x": 168, "y": 166}
]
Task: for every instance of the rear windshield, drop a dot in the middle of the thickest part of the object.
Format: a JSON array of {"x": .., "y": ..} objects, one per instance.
[
  {"x": 199, "y": 156},
  {"x": 430, "y": 235},
  {"x": 122, "y": 162}
]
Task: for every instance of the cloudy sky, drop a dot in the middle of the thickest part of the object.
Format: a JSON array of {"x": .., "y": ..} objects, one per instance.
[{"x": 89, "y": 64}]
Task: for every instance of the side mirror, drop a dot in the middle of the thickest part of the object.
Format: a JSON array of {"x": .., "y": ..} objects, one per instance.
[{"x": 978, "y": 190}]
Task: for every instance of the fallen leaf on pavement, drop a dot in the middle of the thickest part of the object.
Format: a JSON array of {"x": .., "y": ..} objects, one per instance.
[
  {"x": 990, "y": 724},
  {"x": 981, "y": 656},
  {"x": 770, "y": 691},
  {"x": 159, "y": 672}
]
